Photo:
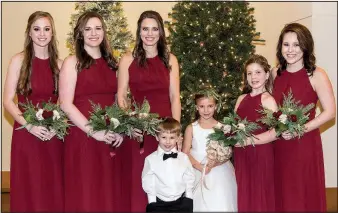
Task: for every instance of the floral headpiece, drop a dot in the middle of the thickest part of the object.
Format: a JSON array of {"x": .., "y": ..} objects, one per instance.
[{"x": 204, "y": 89}]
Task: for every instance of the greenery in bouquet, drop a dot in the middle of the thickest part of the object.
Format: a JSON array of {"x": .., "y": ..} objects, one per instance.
[
  {"x": 111, "y": 118},
  {"x": 46, "y": 114},
  {"x": 291, "y": 116},
  {"x": 141, "y": 118},
  {"x": 233, "y": 130}
]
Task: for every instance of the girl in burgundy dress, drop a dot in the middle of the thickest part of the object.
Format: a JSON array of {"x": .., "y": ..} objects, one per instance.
[
  {"x": 299, "y": 166},
  {"x": 150, "y": 72},
  {"x": 36, "y": 155},
  {"x": 92, "y": 178},
  {"x": 254, "y": 165}
]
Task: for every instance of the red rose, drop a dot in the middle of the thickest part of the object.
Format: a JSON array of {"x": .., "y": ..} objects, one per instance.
[
  {"x": 277, "y": 114},
  {"x": 107, "y": 120},
  {"x": 293, "y": 118},
  {"x": 47, "y": 114}
]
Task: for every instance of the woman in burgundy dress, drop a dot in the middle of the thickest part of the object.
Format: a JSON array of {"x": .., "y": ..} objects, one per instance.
[
  {"x": 151, "y": 72},
  {"x": 299, "y": 166},
  {"x": 92, "y": 181},
  {"x": 254, "y": 165},
  {"x": 36, "y": 156}
]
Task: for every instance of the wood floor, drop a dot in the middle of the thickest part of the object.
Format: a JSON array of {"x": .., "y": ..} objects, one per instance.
[{"x": 331, "y": 195}]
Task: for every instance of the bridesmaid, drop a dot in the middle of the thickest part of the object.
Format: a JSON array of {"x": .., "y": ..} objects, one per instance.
[
  {"x": 254, "y": 165},
  {"x": 151, "y": 72},
  {"x": 299, "y": 166},
  {"x": 36, "y": 155},
  {"x": 91, "y": 183}
]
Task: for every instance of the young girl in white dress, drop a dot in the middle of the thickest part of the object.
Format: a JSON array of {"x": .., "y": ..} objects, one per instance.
[{"x": 217, "y": 192}]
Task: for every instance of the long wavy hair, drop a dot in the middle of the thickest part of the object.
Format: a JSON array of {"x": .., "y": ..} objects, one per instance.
[
  {"x": 84, "y": 59},
  {"x": 261, "y": 60},
  {"x": 306, "y": 44},
  {"x": 162, "y": 48},
  {"x": 24, "y": 82}
]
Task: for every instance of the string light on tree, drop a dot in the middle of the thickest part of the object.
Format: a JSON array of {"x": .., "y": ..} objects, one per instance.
[{"x": 225, "y": 31}]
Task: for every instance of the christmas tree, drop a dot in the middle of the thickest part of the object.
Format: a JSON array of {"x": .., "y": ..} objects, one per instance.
[
  {"x": 120, "y": 38},
  {"x": 212, "y": 41}
]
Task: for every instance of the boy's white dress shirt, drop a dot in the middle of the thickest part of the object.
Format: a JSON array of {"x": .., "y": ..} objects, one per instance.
[{"x": 167, "y": 179}]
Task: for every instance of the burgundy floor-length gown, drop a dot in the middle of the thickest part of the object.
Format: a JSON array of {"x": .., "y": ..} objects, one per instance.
[
  {"x": 92, "y": 176},
  {"x": 151, "y": 83},
  {"x": 36, "y": 174},
  {"x": 299, "y": 166},
  {"x": 254, "y": 166}
]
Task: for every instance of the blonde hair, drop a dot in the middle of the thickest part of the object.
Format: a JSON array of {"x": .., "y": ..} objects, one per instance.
[{"x": 169, "y": 125}]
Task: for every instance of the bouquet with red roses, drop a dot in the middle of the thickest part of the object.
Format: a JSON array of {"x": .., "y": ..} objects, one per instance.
[
  {"x": 291, "y": 116},
  {"x": 48, "y": 115}
]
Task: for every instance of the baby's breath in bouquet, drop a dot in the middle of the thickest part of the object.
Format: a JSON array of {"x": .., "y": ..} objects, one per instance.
[
  {"x": 291, "y": 116},
  {"x": 46, "y": 114}
]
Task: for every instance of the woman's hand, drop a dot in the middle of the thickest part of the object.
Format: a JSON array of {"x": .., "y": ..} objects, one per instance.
[
  {"x": 108, "y": 137},
  {"x": 288, "y": 135},
  {"x": 137, "y": 134},
  {"x": 38, "y": 131},
  {"x": 118, "y": 139}
]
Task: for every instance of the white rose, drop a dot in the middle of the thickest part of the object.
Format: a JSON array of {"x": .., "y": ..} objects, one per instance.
[
  {"x": 39, "y": 115},
  {"x": 213, "y": 144},
  {"x": 132, "y": 113},
  {"x": 283, "y": 118},
  {"x": 143, "y": 115},
  {"x": 226, "y": 129},
  {"x": 219, "y": 126},
  {"x": 56, "y": 115},
  {"x": 241, "y": 126},
  {"x": 211, "y": 154},
  {"x": 115, "y": 122}
]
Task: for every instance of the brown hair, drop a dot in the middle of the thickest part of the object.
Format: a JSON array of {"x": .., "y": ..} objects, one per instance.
[
  {"x": 200, "y": 96},
  {"x": 169, "y": 125},
  {"x": 306, "y": 44},
  {"x": 163, "y": 51},
  {"x": 84, "y": 59},
  {"x": 24, "y": 81},
  {"x": 261, "y": 60}
]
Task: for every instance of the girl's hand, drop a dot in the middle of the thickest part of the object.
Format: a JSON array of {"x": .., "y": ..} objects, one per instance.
[
  {"x": 207, "y": 170},
  {"x": 101, "y": 136},
  {"x": 38, "y": 131}
]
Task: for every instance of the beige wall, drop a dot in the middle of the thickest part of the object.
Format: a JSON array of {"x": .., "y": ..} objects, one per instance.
[{"x": 270, "y": 16}]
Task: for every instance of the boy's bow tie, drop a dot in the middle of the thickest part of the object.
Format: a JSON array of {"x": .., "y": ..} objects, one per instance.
[{"x": 171, "y": 155}]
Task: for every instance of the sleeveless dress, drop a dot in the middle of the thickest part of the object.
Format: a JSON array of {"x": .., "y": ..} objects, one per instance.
[
  {"x": 254, "y": 166},
  {"x": 36, "y": 174},
  {"x": 92, "y": 178},
  {"x": 299, "y": 166},
  {"x": 152, "y": 83},
  {"x": 221, "y": 192}
]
